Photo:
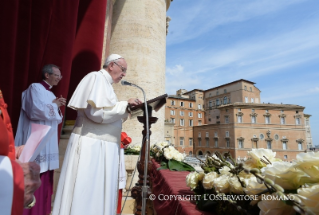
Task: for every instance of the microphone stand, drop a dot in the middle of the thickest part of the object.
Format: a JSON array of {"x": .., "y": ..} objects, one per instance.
[{"x": 144, "y": 187}]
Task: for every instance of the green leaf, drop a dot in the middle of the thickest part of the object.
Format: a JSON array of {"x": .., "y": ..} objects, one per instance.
[
  {"x": 175, "y": 165},
  {"x": 163, "y": 165}
]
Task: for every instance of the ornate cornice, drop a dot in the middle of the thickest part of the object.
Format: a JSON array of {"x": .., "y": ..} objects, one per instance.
[
  {"x": 269, "y": 139},
  {"x": 254, "y": 139},
  {"x": 240, "y": 138},
  {"x": 297, "y": 116},
  {"x": 282, "y": 115},
  {"x": 267, "y": 114},
  {"x": 240, "y": 114},
  {"x": 300, "y": 140},
  {"x": 284, "y": 140}
]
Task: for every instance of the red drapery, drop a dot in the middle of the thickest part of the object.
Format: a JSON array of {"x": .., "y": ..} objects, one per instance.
[{"x": 36, "y": 32}]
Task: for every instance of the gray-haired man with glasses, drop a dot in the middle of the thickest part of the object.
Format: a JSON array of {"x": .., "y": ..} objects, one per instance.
[
  {"x": 90, "y": 176},
  {"x": 41, "y": 106}
]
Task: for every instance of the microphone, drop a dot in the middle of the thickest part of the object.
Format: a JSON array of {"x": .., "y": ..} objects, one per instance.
[{"x": 127, "y": 83}]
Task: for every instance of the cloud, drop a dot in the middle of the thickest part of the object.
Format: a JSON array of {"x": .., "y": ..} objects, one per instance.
[
  {"x": 176, "y": 70},
  {"x": 192, "y": 21}
]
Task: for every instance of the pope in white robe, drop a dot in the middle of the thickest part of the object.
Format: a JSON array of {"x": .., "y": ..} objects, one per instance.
[{"x": 88, "y": 182}]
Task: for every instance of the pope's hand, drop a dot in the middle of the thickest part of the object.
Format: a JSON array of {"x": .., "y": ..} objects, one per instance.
[{"x": 134, "y": 101}]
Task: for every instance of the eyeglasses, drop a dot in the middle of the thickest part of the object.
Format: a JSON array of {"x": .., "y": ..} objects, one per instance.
[
  {"x": 58, "y": 76},
  {"x": 122, "y": 68}
]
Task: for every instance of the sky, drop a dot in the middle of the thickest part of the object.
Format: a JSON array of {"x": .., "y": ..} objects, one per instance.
[{"x": 274, "y": 43}]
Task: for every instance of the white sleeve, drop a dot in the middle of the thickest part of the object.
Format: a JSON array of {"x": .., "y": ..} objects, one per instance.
[
  {"x": 109, "y": 114},
  {"x": 36, "y": 106}
]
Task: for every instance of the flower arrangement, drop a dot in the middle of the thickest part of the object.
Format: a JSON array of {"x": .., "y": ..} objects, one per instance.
[
  {"x": 169, "y": 157},
  {"x": 132, "y": 149},
  {"x": 261, "y": 185}
]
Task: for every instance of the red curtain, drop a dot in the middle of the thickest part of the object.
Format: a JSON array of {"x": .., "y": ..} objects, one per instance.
[{"x": 36, "y": 32}]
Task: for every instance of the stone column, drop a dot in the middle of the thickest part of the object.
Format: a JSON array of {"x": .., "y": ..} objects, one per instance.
[{"x": 139, "y": 35}]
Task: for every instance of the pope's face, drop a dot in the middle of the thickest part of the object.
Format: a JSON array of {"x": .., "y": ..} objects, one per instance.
[
  {"x": 54, "y": 78},
  {"x": 118, "y": 70}
]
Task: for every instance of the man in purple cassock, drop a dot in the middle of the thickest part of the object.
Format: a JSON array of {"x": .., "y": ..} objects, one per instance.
[{"x": 41, "y": 106}]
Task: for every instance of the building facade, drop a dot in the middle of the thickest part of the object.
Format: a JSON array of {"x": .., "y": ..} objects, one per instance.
[{"x": 184, "y": 110}]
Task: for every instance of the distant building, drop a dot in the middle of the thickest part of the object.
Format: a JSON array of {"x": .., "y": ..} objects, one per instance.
[
  {"x": 235, "y": 120},
  {"x": 184, "y": 110}
]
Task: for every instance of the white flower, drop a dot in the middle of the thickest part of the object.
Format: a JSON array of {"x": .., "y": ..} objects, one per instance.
[
  {"x": 225, "y": 171},
  {"x": 274, "y": 207},
  {"x": 252, "y": 186},
  {"x": 235, "y": 186},
  {"x": 192, "y": 180},
  {"x": 285, "y": 175},
  {"x": 257, "y": 154},
  {"x": 208, "y": 180},
  {"x": 309, "y": 163},
  {"x": 310, "y": 198},
  {"x": 221, "y": 184}
]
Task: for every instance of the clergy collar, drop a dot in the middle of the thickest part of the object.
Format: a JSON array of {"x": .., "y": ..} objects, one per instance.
[
  {"x": 107, "y": 75},
  {"x": 46, "y": 85}
]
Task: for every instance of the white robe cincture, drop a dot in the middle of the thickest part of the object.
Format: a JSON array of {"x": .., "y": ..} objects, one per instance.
[{"x": 88, "y": 182}]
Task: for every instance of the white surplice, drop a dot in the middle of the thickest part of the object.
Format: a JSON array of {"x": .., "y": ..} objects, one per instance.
[
  {"x": 37, "y": 107},
  {"x": 88, "y": 182}
]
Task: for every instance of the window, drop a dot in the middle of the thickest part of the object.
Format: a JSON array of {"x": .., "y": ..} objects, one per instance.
[
  {"x": 199, "y": 122},
  {"x": 276, "y": 137},
  {"x": 297, "y": 121},
  {"x": 199, "y": 142},
  {"x": 251, "y": 89},
  {"x": 172, "y": 112},
  {"x": 190, "y": 105},
  {"x": 172, "y": 102},
  {"x": 227, "y": 143},
  {"x": 190, "y": 153},
  {"x": 261, "y": 136},
  {"x": 225, "y": 100},
  {"x": 246, "y": 99},
  {"x": 199, "y": 106},
  {"x": 181, "y": 113},
  {"x": 207, "y": 142},
  {"x": 225, "y": 91},
  {"x": 285, "y": 157},
  {"x": 215, "y": 134},
  {"x": 282, "y": 111},
  {"x": 173, "y": 120},
  {"x": 267, "y": 119},
  {"x": 267, "y": 111},
  {"x": 182, "y": 104},
  {"x": 299, "y": 146},
  {"x": 227, "y": 133},
  {"x": 245, "y": 87},
  {"x": 239, "y": 109},
  {"x": 252, "y": 100},
  {"x": 199, "y": 134},
  {"x": 210, "y": 103},
  {"x": 190, "y": 141},
  {"x": 253, "y": 119},
  {"x": 240, "y": 144},
  {"x": 253, "y": 110},
  {"x": 190, "y": 114},
  {"x": 181, "y": 141},
  {"x": 284, "y": 145},
  {"x": 181, "y": 122},
  {"x": 282, "y": 120},
  {"x": 217, "y": 93},
  {"x": 190, "y": 122},
  {"x": 268, "y": 144},
  {"x": 217, "y": 102},
  {"x": 239, "y": 119},
  {"x": 199, "y": 115},
  {"x": 216, "y": 143},
  {"x": 226, "y": 119}
]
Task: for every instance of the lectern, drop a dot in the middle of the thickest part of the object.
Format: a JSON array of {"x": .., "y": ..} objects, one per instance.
[{"x": 153, "y": 104}]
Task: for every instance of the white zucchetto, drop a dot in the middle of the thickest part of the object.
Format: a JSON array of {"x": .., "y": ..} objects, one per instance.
[{"x": 112, "y": 57}]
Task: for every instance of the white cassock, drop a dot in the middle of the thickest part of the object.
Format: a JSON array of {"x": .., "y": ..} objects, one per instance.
[
  {"x": 88, "y": 182},
  {"x": 37, "y": 107}
]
